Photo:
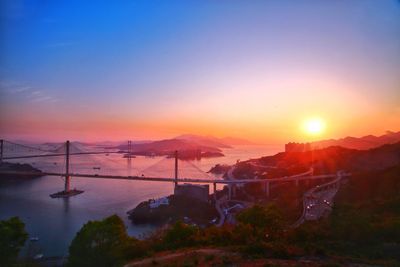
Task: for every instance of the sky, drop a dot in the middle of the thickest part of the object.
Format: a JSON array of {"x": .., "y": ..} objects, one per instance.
[{"x": 116, "y": 70}]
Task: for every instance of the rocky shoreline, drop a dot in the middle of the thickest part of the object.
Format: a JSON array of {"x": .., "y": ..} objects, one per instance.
[{"x": 219, "y": 169}]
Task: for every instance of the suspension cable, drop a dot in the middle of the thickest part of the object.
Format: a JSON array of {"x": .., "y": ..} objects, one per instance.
[
  {"x": 30, "y": 147},
  {"x": 198, "y": 168},
  {"x": 153, "y": 165}
]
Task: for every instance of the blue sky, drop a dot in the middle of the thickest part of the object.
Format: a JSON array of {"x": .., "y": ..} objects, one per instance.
[{"x": 159, "y": 68}]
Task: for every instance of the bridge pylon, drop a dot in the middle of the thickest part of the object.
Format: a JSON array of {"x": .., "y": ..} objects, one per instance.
[
  {"x": 67, "y": 177},
  {"x": 176, "y": 167},
  {"x": 1, "y": 150},
  {"x": 67, "y": 190},
  {"x": 130, "y": 149}
]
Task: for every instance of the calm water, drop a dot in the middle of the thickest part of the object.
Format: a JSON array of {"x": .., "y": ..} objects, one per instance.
[{"x": 56, "y": 221}]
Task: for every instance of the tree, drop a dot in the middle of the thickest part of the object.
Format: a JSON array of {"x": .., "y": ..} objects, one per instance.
[
  {"x": 180, "y": 235},
  {"x": 103, "y": 243},
  {"x": 12, "y": 239},
  {"x": 265, "y": 221}
]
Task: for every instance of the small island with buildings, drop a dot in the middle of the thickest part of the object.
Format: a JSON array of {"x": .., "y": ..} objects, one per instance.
[{"x": 190, "y": 203}]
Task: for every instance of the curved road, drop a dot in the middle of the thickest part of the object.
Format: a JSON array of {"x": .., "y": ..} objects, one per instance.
[{"x": 318, "y": 201}]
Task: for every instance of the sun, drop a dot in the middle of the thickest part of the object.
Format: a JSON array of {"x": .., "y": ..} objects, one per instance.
[{"x": 314, "y": 126}]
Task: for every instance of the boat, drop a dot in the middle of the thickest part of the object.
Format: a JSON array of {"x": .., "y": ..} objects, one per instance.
[
  {"x": 38, "y": 256},
  {"x": 96, "y": 168},
  {"x": 34, "y": 239}
]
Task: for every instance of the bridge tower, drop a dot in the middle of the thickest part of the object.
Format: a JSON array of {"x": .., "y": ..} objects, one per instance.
[
  {"x": 1, "y": 150},
  {"x": 129, "y": 156},
  {"x": 176, "y": 167},
  {"x": 129, "y": 149},
  {"x": 67, "y": 177},
  {"x": 67, "y": 190}
]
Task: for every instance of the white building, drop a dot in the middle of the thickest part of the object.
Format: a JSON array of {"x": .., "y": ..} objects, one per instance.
[{"x": 155, "y": 203}]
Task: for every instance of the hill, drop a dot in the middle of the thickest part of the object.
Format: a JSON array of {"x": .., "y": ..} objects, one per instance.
[
  {"x": 203, "y": 140},
  {"x": 187, "y": 149},
  {"x": 332, "y": 159},
  {"x": 225, "y": 142},
  {"x": 365, "y": 142}
]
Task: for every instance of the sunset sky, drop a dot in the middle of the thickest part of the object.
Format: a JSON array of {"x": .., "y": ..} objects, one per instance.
[{"x": 153, "y": 69}]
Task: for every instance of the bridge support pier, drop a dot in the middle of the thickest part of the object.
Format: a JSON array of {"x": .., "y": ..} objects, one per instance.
[
  {"x": 266, "y": 189},
  {"x": 215, "y": 191},
  {"x": 229, "y": 192}
]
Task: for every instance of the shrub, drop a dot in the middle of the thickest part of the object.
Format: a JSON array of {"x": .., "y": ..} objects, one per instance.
[
  {"x": 12, "y": 239},
  {"x": 103, "y": 243},
  {"x": 180, "y": 235},
  {"x": 265, "y": 221}
]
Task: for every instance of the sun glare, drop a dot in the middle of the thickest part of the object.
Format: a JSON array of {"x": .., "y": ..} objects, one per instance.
[{"x": 314, "y": 126}]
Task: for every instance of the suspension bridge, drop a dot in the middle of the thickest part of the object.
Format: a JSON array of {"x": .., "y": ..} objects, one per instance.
[{"x": 14, "y": 151}]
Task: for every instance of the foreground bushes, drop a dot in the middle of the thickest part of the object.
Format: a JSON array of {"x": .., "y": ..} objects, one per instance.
[
  {"x": 104, "y": 243},
  {"x": 260, "y": 232},
  {"x": 12, "y": 239}
]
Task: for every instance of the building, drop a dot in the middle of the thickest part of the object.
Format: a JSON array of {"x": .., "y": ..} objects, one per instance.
[
  {"x": 155, "y": 203},
  {"x": 199, "y": 192},
  {"x": 297, "y": 147}
]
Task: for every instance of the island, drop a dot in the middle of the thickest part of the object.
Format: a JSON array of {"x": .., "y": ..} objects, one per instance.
[
  {"x": 173, "y": 208},
  {"x": 10, "y": 170},
  {"x": 219, "y": 169},
  {"x": 187, "y": 149}
]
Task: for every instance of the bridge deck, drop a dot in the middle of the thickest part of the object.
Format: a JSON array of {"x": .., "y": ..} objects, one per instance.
[
  {"x": 181, "y": 180},
  {"x": 63, "y": 154}
]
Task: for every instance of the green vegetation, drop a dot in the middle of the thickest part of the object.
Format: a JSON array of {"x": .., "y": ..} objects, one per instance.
[
  {"x": 364, "y": 224},
  {"x": 180, "y": 235},
  {"x": 264, "y": 222},
  {"x": 352, "y": 233},
  {"x": 364, "y": 227},
  {"x": 103, "y": 243},
  {"x": 12, "y": 239}
]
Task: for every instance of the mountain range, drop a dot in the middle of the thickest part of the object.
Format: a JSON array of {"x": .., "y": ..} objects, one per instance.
[
  {"x": 225, "y": 142},
  {"x": 361, "y": 143}
]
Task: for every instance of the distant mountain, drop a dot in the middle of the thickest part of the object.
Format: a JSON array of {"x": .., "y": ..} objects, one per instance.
[
  {"x": 113, "y": 144},
  {"x": 203, "y": 140},
  {"x": 187, "y": 149},
  {"x": 361, "y": 143},
  {"x": 334, "y": 158},
  {"x": 225, "y": 142}
]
